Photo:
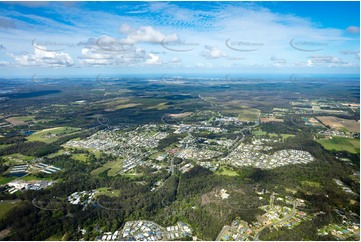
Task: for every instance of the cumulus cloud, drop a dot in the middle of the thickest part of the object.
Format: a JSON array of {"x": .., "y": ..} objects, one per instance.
[
  {"x": 154, "y": 60},
  {"x": 329, "y": 61},
  {"x": 107, "y": 50},
  {"x": 353, "y": 29},
  {"x": 145, "y": 34},
  {"x": 42, "y": 57},
  {"x": 212, "y": 52}
]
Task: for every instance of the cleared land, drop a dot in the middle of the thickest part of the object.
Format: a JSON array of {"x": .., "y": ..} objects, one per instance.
[
  {"x": 243, "y": 112},
  {"x": 160, "y": 106},
  {"x": 16, "y": 121},
  {"x": 113, "y": 166},
  {"x": 340, "y": 123},
  {"x": 180, "y": 115},
  {"x": 80, "y": 157},
  {"x": 52, "y": 134},
  {"x": 129, "y": 105},
  {"x": 226, "y": 172},
  {"x": 107, "y": 192},
  {"x": 341, "y": 144},
  {"x": 4, "y": 180},
  {"x": 6, "y": 206},
  {"x": 271, "y": 119},
  {"x": 262, "y": 133}
]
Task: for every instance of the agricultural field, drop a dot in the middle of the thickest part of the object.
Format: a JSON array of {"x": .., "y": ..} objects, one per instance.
[
  {"x": 243, "y": 112},
  {"x": 52, "y": 134},
  {"x": 340, "y": 123},
  {"x": 341, "y": 144},
  {"x": 17, "y": 121}
]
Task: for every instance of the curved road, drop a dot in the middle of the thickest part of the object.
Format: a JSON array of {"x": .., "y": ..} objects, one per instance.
[{"x": 256, "y": 236}]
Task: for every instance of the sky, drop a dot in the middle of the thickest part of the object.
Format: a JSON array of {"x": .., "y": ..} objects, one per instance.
[{"x": 74, "y": 39}]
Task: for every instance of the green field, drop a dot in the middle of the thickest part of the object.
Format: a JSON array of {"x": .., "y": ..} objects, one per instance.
[
  {"x": 310, "y": 184},
  {"x": 160, "y": 106},
  {"x": 6, "y": 206},
  {"x": 132, "y": 175},
  {"x": 54, "y": 238},
  {"x": 341, "y": 144},
  {"x": 226, "y": 172},
  {"x": 34, "y": 178},
  {"x": 52, "y": 134},
  {"x": 114, "y": 166},
  {"x": 250, "y": 114},
  {"x": 80, "y": 157},
  {"x": 107, "y": 192},
  {"x": 4, "y": 180},
  {"x": 25, "y": 118},
  {"x": 15, "y": 159},
  {"x": 96, "y": 153},
  {"x": 59, "y": 152},
  {"x": 261, "y": 133}
]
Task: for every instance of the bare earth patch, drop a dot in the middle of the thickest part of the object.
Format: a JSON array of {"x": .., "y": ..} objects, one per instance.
[
  {"x": 180, "y": 115},
  {"x": 15, "y": 121}
]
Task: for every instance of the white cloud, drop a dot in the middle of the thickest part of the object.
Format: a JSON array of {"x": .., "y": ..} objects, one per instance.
[
  {"x": 4, "y": 63},
  {"x": 328, "y": 61},
  {"x": 147, "y": 34},
  {"x": 125, "y": 29},
  {"x": 153, "y": 60},
  {"x": 107, "y": 50},
  {"x": 212, "y": 52},
  {"x": 42, "y": 57}
]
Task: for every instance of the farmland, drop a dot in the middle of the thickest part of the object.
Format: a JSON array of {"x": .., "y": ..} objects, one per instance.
[
  {"x": 340, "y": 123},
  {"x": 341, "y": 144}
]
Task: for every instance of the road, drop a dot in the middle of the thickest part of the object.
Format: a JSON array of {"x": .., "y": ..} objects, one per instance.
[
  {"x": 172, "y": 165},
  {"x": 256, "y": 236},
  {"x": 224, "y": 229}
]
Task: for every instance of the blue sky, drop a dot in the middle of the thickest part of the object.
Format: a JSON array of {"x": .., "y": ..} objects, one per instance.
[{"x": 139, "y": 38}]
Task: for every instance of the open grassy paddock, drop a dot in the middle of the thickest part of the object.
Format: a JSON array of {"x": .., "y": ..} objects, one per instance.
[
  {"x": 52, "y": 134},
  {"x": 341, "y": 144}
]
